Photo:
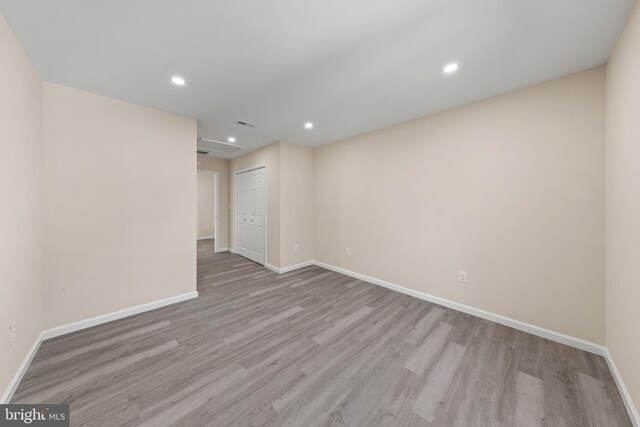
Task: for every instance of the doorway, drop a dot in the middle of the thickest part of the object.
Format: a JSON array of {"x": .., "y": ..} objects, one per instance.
[{"x": 208, "y": 210}]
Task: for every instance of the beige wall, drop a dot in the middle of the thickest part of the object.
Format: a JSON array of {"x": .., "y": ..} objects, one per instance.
[
  {"x": 510, "y": 190},
  {"x": 268, "y": 156},
  {"x": 623, "y": 206},
  {"x": 206, "y": 218},
  {"x": 120, "y": 204},
  {"x": 296, "y": 204},
  {"x": 222, "y": 166},
  {"x": 21, "y": 235}
]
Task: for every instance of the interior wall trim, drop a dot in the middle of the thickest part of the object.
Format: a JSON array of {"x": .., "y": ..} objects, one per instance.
[
  {"x": 578, "y": 343},
  {"x": 535, "y": 330},
  {"x": 271, "y": 267},
  {"x": 84, "y": 324},
  {"x": 516, "y": 324},
  {"x": 22, "y": 369},
  {"x": 283, "y": 270},
  {"x": 206, "y": 237},
  {"x": 98, "y": 320},
  {"x": 622, "y": 388}
]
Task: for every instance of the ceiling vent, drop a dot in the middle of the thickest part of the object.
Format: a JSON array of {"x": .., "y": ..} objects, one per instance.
[
  {"x": 243, "y": 123},
  {"x": 209, "y": 145}
]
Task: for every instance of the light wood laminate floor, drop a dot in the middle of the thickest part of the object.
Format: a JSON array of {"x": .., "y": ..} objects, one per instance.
[{"x": 313, "y": 347}]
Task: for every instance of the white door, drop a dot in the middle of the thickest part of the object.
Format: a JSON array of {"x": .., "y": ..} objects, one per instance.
[
  {"x": 250, "y": 207},
  {"x": 240, "y": 214}
]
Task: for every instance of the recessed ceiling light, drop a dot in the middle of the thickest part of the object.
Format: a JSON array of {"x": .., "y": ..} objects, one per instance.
[
  {"x": 308, "y": 125},
  {"x": 451, "y": 68},
  {"x": 177, "y": 81},
  {"x": 231, "y": 139}
]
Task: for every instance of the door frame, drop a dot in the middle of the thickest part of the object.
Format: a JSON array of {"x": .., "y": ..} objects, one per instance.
[
  {"x": 235, "y": 200},
  {"x": 216, "y": 206}
]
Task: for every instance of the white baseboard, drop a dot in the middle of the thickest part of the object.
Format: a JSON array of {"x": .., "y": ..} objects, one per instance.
[
  {"x": 22, "y": 369},
  {"x": 535, "y": 330},
  {"x": 516, "y": 324},
  {"x": 282, "y": 270},
  {"x": 87, "y": 323},
  {"x": 83, "y": 324},
  {"x": 272, "y": 268},
  {"x": 296, "y": 266},
  {"x": 222, "y": 250},
  {"x": 626, "y": 397},
  {"x": 206, "y": 237}
]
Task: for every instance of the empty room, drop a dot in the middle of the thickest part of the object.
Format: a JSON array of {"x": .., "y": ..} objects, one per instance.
[{"x": 314, "y": 213}]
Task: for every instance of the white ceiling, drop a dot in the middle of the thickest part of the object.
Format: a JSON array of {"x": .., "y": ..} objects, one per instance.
[{"x": 349, "y": 66}]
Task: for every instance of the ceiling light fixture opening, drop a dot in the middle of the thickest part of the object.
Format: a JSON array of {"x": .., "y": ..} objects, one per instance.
[
  {"x": 308, "y": 125},
  {"x": 451, "y": 68},
  {"x": 231, "y": 139},
  {"x": 179, "y": 81}
]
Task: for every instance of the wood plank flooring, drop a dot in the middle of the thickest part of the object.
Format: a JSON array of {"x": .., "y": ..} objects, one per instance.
[{"x": 313, "y": 347}]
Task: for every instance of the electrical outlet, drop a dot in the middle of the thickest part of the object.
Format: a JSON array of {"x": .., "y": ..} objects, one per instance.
[
  {"x": 462, "y": 276},
  {"x": 296, "y": 248},
  {"x": 347, "y": 251},
  {"x": 12, "y": 334}
]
